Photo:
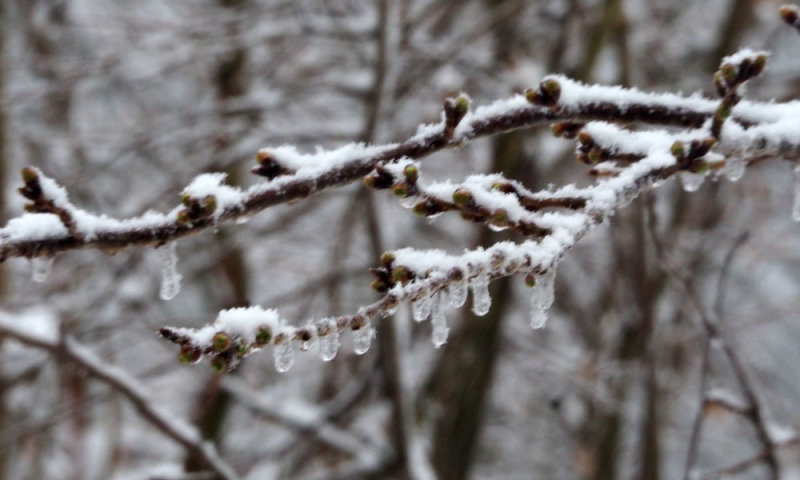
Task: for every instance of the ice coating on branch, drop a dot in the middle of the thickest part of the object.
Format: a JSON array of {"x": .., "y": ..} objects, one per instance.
[
  {"x": 421, "y": 307},
  {"x": 542, "y": 297},
  {"x": 41, "y": 267},
  {"x": 691, "y": 181},
  {"x": 329, "y": 344},
  {"x": 170, "y": 278},
  {"x": 481, "y": 300},
  {"x": 283, "y": 354},
  {"x": 362, "y": 338},
  {"x": 440, "y": 330},
  {"x": 457, "y": 293},
  {"x": 796, "y": 202}
]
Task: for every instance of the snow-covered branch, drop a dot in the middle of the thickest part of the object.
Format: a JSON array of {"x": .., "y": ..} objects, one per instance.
[
  {"x": 54, "y": 225},
  {"x": 552, "y": 220}
]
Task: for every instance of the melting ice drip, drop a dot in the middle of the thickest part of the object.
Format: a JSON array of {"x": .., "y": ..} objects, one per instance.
[
  {"x": 440, "y": 330},
  {"x": 284, "y": 355},
  {"x": 362, "y": 338},
  {"x": 542, "y": 297},
  {"x": 41, "y": 268},
  {"x": 170, "y": 278},
  {"x": 329, "y": 344},
  {"x": 481, "y": 300}
]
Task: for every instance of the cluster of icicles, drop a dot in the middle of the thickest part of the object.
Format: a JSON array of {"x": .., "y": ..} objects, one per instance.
[
  {"x": 431, "y": 306},
  {"x": 283, "y": 352}
]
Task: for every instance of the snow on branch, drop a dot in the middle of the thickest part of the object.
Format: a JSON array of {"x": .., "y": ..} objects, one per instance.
[
  {"x": 626, "y": 162},
  {"x": 291, "y": 175},
  {"x": 720, "y": 136}
]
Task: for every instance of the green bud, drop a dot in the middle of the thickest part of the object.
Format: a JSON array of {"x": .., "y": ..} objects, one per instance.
[
  {"x": 29, "y": 175},
  {"x": 183, "y": 217},
  {"x": 595, "y": 156},
  {"x": 369, "y": 181},
  {"x": 387, "y": 258},
  {"x": 421, "y": 209},
  {"x": 789, "y": 14},
  {"x": 400, "y": 189},
  {"x": 189, "y": 355},
  {"x": 219, "y": 364},
  {"x": 186, "y": 199},
  {"x": 462, "y": 196},
  {"x": 221, "y": 341},
  {"x": 379, "y": 285},
  {"x": 552, "y": 88},
  {"x": 500, "y": 217},
  {"x": 263, "y": 335},
  {"x": 677, "y": 150},
  {"x": 209, "y": 204},
  {"x": 401, "y": 274},
  {"x": 242, "y": 349},
  {"x": 530, "y": 280},
  {"x": 411, "y": 172},
  {"x": 462, "y": 104},
  {"x": 729, "y": 72}
]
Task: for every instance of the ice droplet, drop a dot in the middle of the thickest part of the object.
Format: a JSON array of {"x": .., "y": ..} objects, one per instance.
[
  {"x": 409, "y": 202},
  {"x": 481, "y": 300},
  {"x": 796, "y": 204},
  {"x": 734, "y": 168},
  {"x": 170, "y": 278},
  {"x": 362, "y": 339},
  {"x": 41, "y": 268},
  {"x": 542, "y": 297},
  {"x": 421, "y": 307},
  {"x": 439, "y": 320},
  {"x": 691, "y": 181},
  {"x": 284, "y": 355},
  {"x": 329, "y": 345},
  {"x": 496, "y": 228},
  {"x": 457, "y": 293},
  {"x": 242, "y": 220}
]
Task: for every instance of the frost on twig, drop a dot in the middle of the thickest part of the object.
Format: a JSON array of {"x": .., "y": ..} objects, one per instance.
[{"x": 626, "y": 163}]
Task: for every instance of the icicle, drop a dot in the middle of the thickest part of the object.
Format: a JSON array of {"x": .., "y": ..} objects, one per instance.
[
  {"x": 284, "y": 354},
  {"x": 421, "y": 307},
  {"x": 457, "y": 293},
  {"x": 796, "y": 205},
  {"x": 481, "y": 300},
  {"x": 439, "y": 320},
  {"x": 170, "y": 278},
  {"x": 542, "y": 297},
  {"x": 362, "y": 338},
  {"x": 41, "y": 268},
  {"x": 329, "y": 344},
  {"x": 734, "y": 168},
  {"x": 691, "y": 181}
]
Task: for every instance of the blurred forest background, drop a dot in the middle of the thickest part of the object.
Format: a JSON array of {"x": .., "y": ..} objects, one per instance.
[{"x": 125, "y": 102}]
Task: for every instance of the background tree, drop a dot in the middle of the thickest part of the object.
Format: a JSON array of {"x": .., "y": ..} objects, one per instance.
[{"x": 671, "y": 341}]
